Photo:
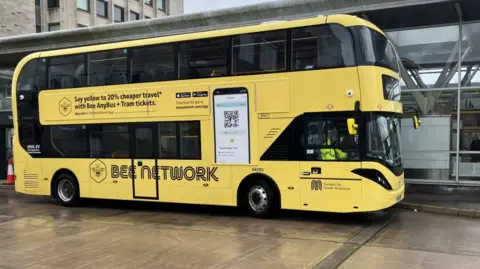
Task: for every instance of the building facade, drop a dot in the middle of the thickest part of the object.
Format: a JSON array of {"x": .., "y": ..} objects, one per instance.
[
  {"x": 53, "y": 15},
  {"x": 17, "y": 17}
]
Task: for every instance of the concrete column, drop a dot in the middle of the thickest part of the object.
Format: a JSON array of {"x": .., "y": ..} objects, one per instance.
[
  {"x": 126, "y": 10},
  {"x": 141, "y": 10},
  {"x": 68, "y": 14},
  {"x": 110, "y": 11},
  {"x": 93, "y": 12},
  {"x": 175, "y": 7},
  {"x": 44, "y": 15}
]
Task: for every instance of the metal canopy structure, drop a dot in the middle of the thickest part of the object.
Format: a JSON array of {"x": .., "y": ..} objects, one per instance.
[{"x": 432, "y": 57}]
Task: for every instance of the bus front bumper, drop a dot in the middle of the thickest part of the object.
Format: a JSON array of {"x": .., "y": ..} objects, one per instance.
[
  {"x": 394, "y": 197},
  {"x": 382, "y": 199}
]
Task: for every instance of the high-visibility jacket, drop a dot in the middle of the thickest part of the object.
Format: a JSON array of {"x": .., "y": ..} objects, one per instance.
[{"x": 332, "y": 154}]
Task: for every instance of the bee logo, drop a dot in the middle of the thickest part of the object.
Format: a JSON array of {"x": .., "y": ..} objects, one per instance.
[
  {"x": 65, "y": 107},
  {"x": 98, "y": 171}
]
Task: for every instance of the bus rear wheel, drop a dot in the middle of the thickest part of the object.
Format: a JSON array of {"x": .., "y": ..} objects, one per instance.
[
  {"x": 260, "y": 199},
  {"x": 66, "y": 190}
]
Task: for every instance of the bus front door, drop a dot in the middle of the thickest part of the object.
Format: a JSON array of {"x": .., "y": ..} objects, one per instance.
[
  {"x": 326, "y": 177},
  {"x": 144, "y": 161}
]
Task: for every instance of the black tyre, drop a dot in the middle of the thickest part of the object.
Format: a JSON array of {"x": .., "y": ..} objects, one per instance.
[
  {"x": 261, "y": 200},
  {"x": 65, "y": 190}
]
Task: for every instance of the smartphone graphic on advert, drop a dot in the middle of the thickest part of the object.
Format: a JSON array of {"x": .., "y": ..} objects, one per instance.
[{"x": 231, "y": 126}]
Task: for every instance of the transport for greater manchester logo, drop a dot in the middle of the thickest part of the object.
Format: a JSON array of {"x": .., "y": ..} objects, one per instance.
[
  {"x": 65, "y": 106},
  {"x": 98, "y": 171}
]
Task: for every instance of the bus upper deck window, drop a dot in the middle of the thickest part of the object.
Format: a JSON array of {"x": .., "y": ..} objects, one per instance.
[
  {"x": 33, "y": 76},
  {"x": 324, "y": 46}
]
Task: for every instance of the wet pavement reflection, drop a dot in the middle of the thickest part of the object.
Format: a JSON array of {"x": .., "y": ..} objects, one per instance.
[
  {"x": 417, "y": 240},
  {"x": 36, "y": 233}
]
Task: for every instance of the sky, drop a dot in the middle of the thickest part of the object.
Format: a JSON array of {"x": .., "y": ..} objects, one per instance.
[{"x": 192, "y": 6}]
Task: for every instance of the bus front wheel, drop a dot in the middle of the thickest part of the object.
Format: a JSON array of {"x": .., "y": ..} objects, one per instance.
[
  {"x": 260, "y": 199},
  {"x": 66, "y": 190}
]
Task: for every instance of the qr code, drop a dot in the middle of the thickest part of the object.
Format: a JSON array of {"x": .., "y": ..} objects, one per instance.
[{"x": 231, "y": 119}]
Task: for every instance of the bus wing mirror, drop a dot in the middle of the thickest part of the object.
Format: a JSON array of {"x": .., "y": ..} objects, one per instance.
[
  {"x": 352, "y": 126},
  {"x": 416, "y": 122}
]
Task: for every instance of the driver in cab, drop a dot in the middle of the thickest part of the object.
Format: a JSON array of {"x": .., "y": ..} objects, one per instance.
[{"x": 331, "y": 141}]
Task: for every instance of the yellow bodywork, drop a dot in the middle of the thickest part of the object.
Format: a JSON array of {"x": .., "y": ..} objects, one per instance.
[{"x": 295, "y": 93}]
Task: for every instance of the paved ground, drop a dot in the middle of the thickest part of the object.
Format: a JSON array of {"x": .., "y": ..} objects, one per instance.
[
  {"x": 35, "y": 233},
  {"x": 463, "y": 201}
]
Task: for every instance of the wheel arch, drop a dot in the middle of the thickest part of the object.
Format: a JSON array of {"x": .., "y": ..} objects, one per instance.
[
  {"x": 257, "y": 176},
  {"x": 55, "y": 178}
]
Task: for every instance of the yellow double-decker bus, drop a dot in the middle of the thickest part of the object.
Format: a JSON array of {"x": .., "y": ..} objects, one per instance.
[{"x": 300, "y": 115}]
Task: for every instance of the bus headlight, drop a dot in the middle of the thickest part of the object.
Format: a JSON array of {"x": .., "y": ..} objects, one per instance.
[{"x": 375, "y": 176}]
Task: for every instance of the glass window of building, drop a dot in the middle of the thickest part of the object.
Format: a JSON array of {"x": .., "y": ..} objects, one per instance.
[
  {"x": 53, "y": 3},
  {"x": 148, "y": 2},
  {"x": 134, "y": 16},
  {"x": 102, "y": 8},
  {"x": 161, "y": 5},
  {"x": 118, "y": 14},
  {"x": 38, "y": 17},
  {"x": 83, "y": 5},
  {"x": 53, "y": 26}
]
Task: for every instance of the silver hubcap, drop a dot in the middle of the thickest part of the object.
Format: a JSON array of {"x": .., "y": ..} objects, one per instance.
[
  {"x": 257, "y": 198},
  {"x": 65, "y": 190}
]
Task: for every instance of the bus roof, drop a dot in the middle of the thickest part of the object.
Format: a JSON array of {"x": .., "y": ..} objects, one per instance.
[{"x": 345, "y": 20}]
